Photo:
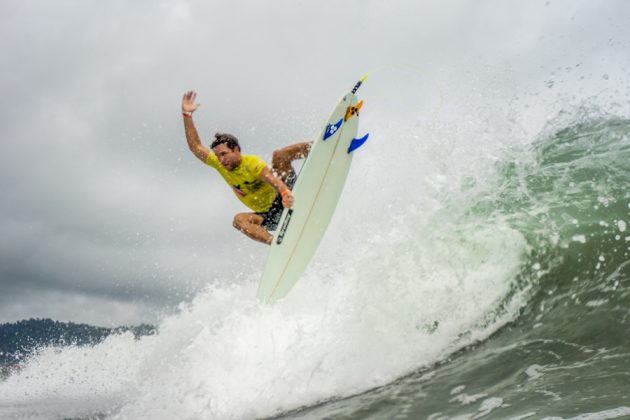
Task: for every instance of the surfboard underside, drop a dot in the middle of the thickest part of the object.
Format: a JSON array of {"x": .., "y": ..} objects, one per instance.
[{"x": 316, "y": 193}]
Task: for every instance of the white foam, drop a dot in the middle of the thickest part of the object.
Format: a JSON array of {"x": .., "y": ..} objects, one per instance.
[
  {"x": 402, "y": 303},
  {"x": 412, "y": 279}
]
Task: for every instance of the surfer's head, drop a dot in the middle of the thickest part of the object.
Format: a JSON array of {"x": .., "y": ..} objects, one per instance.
[
  {"x": 227, "y": 150},
  {"x": 230, "y": 140}
]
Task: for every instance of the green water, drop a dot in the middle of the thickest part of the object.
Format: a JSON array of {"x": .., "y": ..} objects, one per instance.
[{"x": 567, "y": 353}]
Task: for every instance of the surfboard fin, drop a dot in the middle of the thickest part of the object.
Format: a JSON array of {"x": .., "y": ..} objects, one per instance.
[
  {"x": 353, "y": 110},
  {"x": 332, "y": 129},
  {"x": 356, "y": 143}
]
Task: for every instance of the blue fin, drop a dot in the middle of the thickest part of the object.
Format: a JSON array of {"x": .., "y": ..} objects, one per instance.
[
  {"x": 332, "y": 129},
  {"x": 356, "y": 143}
]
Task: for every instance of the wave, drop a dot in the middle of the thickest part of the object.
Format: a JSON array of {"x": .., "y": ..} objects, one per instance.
[{"x": 536, "y": 239}]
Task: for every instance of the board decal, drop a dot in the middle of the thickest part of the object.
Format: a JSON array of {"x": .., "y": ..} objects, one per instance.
[
  {"x": 331, "y": 129},
  {"x": 284, "y": 227}
]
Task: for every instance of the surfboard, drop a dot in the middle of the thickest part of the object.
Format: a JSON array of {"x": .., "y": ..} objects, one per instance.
[{"x": 316, "y": 193}]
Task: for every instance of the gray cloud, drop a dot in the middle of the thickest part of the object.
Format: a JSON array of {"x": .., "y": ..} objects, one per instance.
[{"x": 102, "y": 204}]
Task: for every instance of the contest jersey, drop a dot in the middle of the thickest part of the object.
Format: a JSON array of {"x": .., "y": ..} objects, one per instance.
[{"x": 254, "y": 193}]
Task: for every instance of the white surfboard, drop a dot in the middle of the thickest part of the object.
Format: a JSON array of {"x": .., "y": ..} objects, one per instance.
[{"x": 316, "y": 193}]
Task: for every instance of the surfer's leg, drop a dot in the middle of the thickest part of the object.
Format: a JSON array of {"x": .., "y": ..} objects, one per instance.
[
  {"x": 282, "y": 158},
  {"x": 250, "y": 225}
]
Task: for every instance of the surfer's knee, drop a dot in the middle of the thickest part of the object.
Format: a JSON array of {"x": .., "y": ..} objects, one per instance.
[
  {"x": 278, "y": 159},
  {"x": 284, "y": 156},
  {"x": 276, "y": 156},
  {"x": 280, "y": 164}
]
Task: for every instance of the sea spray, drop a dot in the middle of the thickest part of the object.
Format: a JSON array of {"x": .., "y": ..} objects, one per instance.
[
  {"x": 407, "y": 275},
  {"x": 565, "y": 353}
]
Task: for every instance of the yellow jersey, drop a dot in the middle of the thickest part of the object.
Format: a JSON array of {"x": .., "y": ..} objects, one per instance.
[{"x": 254, "y": 193}]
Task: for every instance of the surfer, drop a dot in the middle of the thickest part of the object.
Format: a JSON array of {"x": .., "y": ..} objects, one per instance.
[{"x": 267, "y": 192}]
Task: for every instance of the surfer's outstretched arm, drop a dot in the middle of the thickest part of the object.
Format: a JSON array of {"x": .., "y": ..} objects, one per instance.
[{"x": 192, "y": 137}]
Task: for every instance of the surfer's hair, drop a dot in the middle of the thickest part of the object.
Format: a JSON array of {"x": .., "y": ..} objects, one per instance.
[{"x": 230, "y": 140}]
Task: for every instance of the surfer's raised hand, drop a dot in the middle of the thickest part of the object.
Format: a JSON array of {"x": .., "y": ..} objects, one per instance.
[{"x": 188, "y": 102}]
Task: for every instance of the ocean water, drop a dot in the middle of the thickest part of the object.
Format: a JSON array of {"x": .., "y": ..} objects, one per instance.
[
  {"x": 564, "y": 353},
  {"x": 493, "y": 283}
]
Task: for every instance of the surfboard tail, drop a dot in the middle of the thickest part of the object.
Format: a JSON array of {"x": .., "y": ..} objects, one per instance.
[{"x": 353, "y": 110}]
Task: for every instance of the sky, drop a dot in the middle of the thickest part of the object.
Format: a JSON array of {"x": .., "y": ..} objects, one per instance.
[{"x": 107, "y": 218}]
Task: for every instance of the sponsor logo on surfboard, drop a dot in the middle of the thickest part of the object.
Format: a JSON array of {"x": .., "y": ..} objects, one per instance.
[
  {"x": 332, "y": 129},
  {"x": 284, "y": 227}
]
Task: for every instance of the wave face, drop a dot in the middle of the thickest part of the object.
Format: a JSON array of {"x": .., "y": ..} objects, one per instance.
[
  {"x": 566, "y": 353},
  {"x": 500, "y": 287}
]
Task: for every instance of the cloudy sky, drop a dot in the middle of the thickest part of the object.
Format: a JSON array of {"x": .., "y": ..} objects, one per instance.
[{"x": 107, "y": 218}]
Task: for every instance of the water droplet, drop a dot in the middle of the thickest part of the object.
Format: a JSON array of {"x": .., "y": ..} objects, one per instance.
[
  {"x": 579, "y": 238},
  {"x": 621, "y": 225}
]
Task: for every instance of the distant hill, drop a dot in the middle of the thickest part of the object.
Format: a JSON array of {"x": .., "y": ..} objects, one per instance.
[{"x": 20, "y": 339}]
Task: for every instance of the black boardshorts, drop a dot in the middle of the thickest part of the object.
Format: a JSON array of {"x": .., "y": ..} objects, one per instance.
[{"x": 272, "y": 216}]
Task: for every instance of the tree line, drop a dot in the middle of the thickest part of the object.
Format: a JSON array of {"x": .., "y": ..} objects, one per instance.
[{"x": 20, "y": 339}]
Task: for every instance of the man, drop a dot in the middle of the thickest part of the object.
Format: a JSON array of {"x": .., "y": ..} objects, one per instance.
[{"x": 264, "y": 191}]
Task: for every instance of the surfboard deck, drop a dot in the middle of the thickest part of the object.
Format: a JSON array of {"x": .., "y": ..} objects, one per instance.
[{"x": 316, "y": 193}]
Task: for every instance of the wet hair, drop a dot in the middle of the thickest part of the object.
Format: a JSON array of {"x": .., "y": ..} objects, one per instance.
[{"x": 230, "y": 140}]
